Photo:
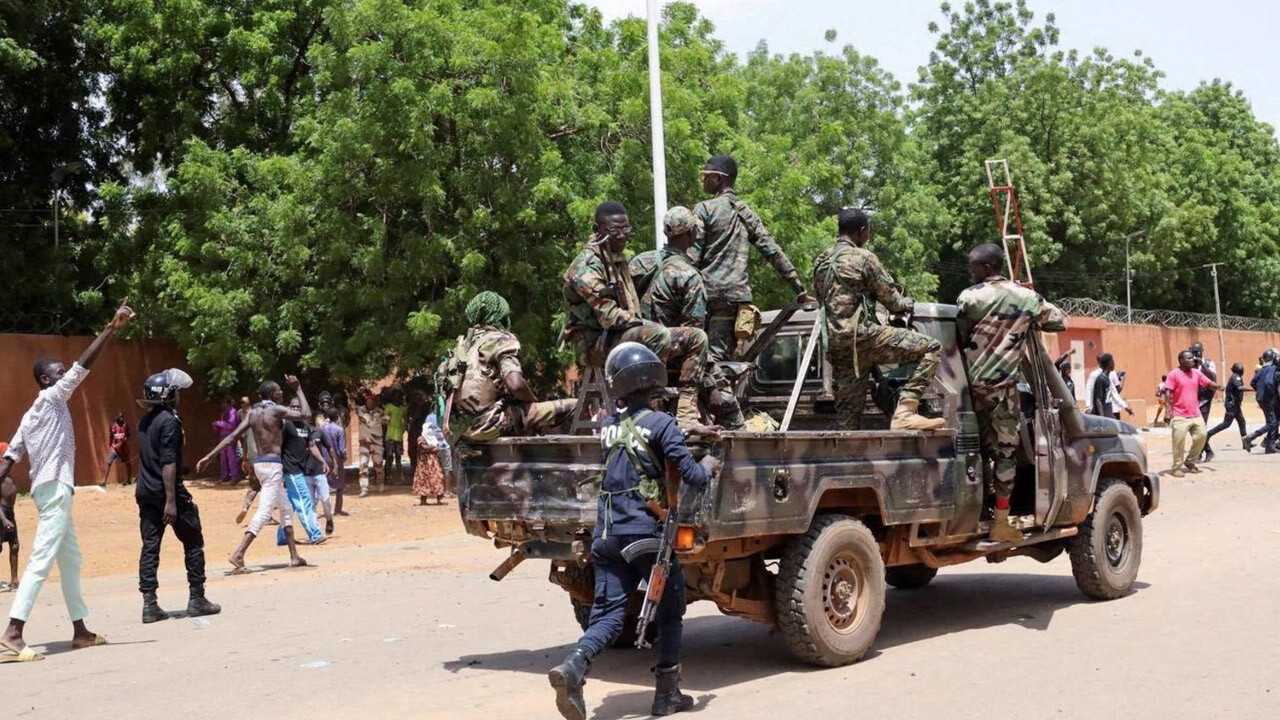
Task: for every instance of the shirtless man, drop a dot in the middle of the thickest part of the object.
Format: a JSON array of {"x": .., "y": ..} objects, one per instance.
[{"x": 266, "y": 418}]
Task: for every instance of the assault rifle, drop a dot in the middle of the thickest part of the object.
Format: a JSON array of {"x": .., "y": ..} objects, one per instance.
[{"x": 656, "y": 585}]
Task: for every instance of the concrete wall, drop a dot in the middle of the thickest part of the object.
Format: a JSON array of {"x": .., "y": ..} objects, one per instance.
[
  {"x": 1147, "y": 352},
  {"x": 115, "y": 383}
]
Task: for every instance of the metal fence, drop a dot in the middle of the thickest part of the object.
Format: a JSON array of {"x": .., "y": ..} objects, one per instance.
[{"x": 1084, "y": 307}]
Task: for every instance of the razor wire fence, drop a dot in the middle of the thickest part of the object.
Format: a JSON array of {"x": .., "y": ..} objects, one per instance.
[{"x": 1084, "y": 307}]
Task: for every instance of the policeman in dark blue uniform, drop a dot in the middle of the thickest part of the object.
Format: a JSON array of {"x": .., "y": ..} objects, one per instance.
[{"x": 638, "y": 443}]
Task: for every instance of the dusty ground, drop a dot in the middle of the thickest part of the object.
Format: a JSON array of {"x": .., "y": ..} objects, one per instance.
[{"x": 398, "y": 619}]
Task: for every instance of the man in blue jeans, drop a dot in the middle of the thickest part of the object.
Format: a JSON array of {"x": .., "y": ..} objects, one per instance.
[
  {"x": 45, "y": 436},
  {"x": 294, "y": 454},
  {"x": 622, "y": 550}
]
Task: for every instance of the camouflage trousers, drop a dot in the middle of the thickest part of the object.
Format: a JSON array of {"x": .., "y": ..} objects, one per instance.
[
  {"x": 852, "y": 359},
  {"x": 371, "y": 464},
  {"x": 680, "y": 346},
  {"x": 721, "y": 323},
  {"x": 717, "y": 394},
  {"x": 999, "y": 418},
  {"x": 507, "y": 418}
]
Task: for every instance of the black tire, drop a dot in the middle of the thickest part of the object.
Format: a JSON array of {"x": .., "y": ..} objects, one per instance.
[
  {"x": 910, "y": 577},
  {"x": 830, "y": 591},
  {"x": 1105, "y": 555},
  {"x": 582, "y": 613}
]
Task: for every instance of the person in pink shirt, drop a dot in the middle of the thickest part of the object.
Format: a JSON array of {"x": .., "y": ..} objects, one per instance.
[{"x": 1183, "y": 384}]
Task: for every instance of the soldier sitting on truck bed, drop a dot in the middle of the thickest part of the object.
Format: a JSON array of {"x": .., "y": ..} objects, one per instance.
[
  {"x": 995, "y": 318},
  {"x": 849, "y": 279},
  {"x": 487, "y": 393},
  {"x": 602, "y": 310},
  {"x": 672, "y": 293}
]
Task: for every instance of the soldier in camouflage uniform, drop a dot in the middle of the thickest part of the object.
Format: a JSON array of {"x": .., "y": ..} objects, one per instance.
[
  {"x": 731, "y": 228},
  {"x": 849, "y": 280},
  {"x": 672, "y": 293},
  {"x": 487, "y": 393},
  {"x": 996, "y": 316},
  {"x": 602, "y": 309}
]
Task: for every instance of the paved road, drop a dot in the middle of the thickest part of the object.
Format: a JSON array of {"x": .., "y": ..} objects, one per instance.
[{"x": 415, "y": 629}]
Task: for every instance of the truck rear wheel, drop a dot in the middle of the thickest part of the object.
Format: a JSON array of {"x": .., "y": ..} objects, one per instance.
[
  {"x": 1105, "y": 555},
  {"x": 910, "y": 577},
  {"x": 830, "y": 591}
]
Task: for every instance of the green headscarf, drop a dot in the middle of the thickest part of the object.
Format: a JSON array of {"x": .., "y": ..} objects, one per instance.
[{"x": 488, "y": 308}]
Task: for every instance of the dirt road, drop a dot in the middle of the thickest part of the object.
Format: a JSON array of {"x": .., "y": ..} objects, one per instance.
[{"x": 398, "y": 619}]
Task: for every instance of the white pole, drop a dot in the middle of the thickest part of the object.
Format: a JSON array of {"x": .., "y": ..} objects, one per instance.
[
  {"x": 655, "y": 121},
  {"x": 1128, "y": 284}
]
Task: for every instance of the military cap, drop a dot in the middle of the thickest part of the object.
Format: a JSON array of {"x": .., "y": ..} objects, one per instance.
[{"x": 680, "y": 220}]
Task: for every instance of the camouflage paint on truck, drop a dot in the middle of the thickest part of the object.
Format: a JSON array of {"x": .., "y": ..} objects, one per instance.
[{"x": 920, "y": 493}]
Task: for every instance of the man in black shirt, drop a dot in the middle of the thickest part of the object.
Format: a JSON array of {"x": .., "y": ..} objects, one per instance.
[
  {"x": 163, "y": 499},
  {"x": 295, "y": 453},
  {"x": 1233, "y": 401}
]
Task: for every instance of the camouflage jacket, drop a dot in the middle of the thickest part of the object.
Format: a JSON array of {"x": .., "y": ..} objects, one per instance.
[
  {"x": 675, "y": 295},
  {"x": 643, "y": 268},
  {"x": 598, "y": 294},
  {"x": 848, "y": 281},
  {"x": 996, "y": 316},
  {"x": 475, "y": 369},
  {"x": 722, "y": 255},
  {"x": 371, "y": 425}
]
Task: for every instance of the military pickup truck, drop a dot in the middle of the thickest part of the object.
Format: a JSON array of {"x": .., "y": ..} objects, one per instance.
[{"x": 801, "y": 530}]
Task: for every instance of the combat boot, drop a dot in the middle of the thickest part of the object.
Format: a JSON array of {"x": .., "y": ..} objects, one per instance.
[
  {"x": 198, "y": 605},
  {"x": 907, "y": 417},
  {"x": 568, "y": 678},
  {"x": 151, "y": 611},
  {"x": 1001, "y": 530},
  {"x": 667, "y": 699},
  {"x": 687, "y": 414}
]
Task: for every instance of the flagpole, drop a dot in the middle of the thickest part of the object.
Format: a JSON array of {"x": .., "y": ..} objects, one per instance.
[{"x": 655, "y": 121}]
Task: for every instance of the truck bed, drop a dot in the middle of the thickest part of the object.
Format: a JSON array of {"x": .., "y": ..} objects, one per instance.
[{"x": 545, "y": 488}]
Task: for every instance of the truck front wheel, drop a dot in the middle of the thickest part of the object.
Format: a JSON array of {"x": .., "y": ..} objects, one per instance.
[
  {"x": 830, "y": 591},
  {"x": 1106, "y": 553}
]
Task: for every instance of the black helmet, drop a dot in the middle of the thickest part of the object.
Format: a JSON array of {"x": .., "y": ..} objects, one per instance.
[
  {"x": 162, "y": 388},
  {"x": 631, "y": 368},
  {"x": 1269, "y": 355}
]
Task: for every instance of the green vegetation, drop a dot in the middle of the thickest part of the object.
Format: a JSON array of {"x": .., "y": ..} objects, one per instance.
[{"x": 326, "y": 184}]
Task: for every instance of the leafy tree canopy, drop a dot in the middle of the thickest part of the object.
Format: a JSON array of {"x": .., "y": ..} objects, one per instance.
[{"x": 325, "y": 184}]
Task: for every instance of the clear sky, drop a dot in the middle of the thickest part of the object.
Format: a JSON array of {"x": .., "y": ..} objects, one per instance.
[{"x": 1235, "y": 40}]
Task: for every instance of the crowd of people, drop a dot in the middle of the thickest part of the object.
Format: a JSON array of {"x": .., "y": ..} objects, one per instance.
[{"x": 1184, "y": 402}]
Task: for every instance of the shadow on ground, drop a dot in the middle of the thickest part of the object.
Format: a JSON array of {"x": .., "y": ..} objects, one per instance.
[{"x": 738, "y": 651}]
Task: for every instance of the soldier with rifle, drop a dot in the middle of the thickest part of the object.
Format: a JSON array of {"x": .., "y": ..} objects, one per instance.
[{"x": 641, "y": 448}]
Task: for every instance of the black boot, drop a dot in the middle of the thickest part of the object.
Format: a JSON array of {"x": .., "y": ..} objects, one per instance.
[
  {"x": 568, "y": 678},
  {"x": 668, "y": 699},
  {"x": 151, "y": 611},
  {"x": 198, "y": 605},
  {"x": 1247, "y": 442}
]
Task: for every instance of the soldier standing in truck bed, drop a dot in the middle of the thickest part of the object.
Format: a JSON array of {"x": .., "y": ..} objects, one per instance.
[
  {"x": 995, "y": 318},
  {"x": 602, "y": 310},
  {"x": 672, "y": 294},
  {"x": 849, "y": 280},
  {"x": 731, "y": 227},
  {"x": 487, "y": 395}
]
